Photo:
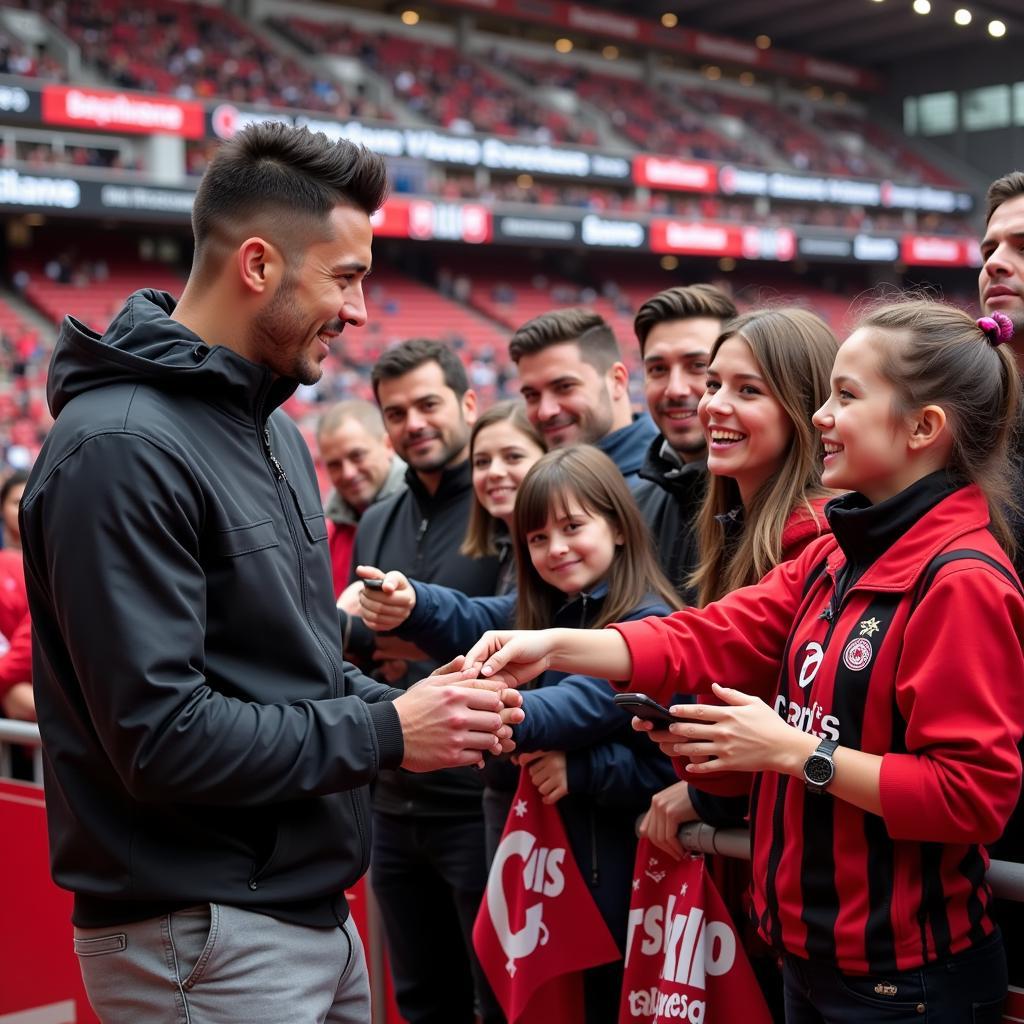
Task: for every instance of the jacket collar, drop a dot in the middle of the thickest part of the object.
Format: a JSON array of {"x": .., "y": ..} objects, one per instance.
[
  {"x": 341, "y": 513},
  {"x": 586, "y": 603},
  {"x": 455, "y": 481},
  {"x": 627, "y": 445},
  {"x": 145, "y": 345},
  {"x": 895, "y": 540},
  {"x": 803, "y": 527},
  {"x": 663, "y": 466}
]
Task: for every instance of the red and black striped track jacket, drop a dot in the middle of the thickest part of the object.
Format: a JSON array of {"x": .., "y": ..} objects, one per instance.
[{"x": 919, "y": 661}]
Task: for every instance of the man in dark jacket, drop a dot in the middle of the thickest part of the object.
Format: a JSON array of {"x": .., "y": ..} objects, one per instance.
[
  {"x": 207, "y": 752},
  {"x": 1001, "y": 289},
  {"x": 429, "y": 863},
  {"x": 676, "y": 329},
  {"x": 576, "y": 386}
]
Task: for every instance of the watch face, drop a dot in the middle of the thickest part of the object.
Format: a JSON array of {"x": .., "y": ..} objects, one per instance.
[{"x": 818, "y": 770}]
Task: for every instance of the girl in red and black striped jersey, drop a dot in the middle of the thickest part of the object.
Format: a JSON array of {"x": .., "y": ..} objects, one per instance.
[{"x": 878, "y": 684}]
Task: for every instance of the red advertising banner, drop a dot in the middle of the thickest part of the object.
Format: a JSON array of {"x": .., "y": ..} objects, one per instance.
[
  {"x": 426, "y": 220},
  {"x": 684, "y": 960},
  {"x": 111, "y": 111},
  {"x": 672, "y": 173},
  {"x": 939, "y": 251},
  {"x": 538, "y": 927},
  {"x": 695, "y": 238},
  {"x": 392, "y": 219}
]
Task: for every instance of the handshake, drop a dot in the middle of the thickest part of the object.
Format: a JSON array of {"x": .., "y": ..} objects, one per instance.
[{"x": 454, "y": 717}]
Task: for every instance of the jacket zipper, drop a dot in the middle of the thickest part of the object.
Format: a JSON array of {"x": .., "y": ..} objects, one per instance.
[
  {"x": 420, "y": 534},
  {"x": 282, "y": 478},
  {"x": 278, "y": 468}
]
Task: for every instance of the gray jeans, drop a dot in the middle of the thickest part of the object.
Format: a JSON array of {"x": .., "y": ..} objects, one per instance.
[{"x": 213, "y": 964}]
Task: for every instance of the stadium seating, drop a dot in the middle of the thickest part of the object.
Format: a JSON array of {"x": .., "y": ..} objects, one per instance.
[
  {"x": 190, "y": 50},
  {"x": 439, "y": 84}
]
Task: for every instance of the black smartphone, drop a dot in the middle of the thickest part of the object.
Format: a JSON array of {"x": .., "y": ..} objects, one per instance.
[
  {"x": 374, "y": 584},
  {"x": 642, "y": 706}
]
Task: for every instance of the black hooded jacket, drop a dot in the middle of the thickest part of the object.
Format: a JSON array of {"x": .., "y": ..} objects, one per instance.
[{"x": 203, "y": 739}]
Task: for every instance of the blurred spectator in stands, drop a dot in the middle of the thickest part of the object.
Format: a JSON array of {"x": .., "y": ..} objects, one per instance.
[
  {"x": 58, "y": 269},
  {"x": 363, "y": 469},
  {"x": 576, "y": 386},
  {"x": 16, "y": 700},
  {"x": 11, "y": 491}
]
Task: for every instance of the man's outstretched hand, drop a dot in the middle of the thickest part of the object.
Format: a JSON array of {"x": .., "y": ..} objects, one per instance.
[{"x": 453, "y": 718}]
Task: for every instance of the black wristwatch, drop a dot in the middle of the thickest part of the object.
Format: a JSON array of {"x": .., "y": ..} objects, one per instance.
[{"x": 819, "y": 768}]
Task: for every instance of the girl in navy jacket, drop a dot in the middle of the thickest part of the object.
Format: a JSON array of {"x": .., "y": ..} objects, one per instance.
[
  {"x": 878, "y": 684},
  {"x": 584, "y": 559}
]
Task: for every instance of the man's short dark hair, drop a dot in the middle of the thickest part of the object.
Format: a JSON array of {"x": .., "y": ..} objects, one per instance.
[
  {"x": 589, "y": 330},
  {"x": 411, "y": 355},
  {"x": 291, "y": 178},
  {"x": 1009, "y": 186},
  {"x": 682, "y": 303}
]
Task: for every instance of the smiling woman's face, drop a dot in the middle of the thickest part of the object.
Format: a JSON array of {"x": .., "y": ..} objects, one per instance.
[{"x": 501, "y": 457}]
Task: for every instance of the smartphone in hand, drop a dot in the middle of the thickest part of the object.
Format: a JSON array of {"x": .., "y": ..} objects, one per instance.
[{"x": 644, "y": 707}]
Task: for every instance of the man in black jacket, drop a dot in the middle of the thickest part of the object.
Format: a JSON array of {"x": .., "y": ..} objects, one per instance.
[
  {"x": 207, "y": 752},
  {"x": 429, "y": 866},
  {"x": 676, "y": 329}
]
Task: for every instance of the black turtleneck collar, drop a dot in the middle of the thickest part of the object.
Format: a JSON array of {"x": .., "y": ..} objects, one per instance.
[
  {"x": 664, "y": 466},
  {"x": 454, "y": 482},
  {"x": 865, "y": 532}
]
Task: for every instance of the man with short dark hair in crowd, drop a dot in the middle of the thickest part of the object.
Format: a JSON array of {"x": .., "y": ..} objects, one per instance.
[
  {"x": 676, "y": 329},
  {"x": 207, "y": 752},
  {"x": 363, "y": 469},
  {"x": 576, "y": 387},
  {"x": 1001, "y": 290},
  {"x": 429, "y": 865}
]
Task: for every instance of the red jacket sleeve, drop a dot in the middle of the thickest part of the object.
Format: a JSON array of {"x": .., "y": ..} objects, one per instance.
[
  {"x": 738, "y": 641},
  {"x": 799, "y": 536},
  {"x": 960, "y": 689},
  {"x": 16, "y": 664}
]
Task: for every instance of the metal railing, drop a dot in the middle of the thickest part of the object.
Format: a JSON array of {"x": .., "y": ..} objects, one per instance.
[
  {"x": 1005, "y": 877},
  {"x": 21, "y": 734}
]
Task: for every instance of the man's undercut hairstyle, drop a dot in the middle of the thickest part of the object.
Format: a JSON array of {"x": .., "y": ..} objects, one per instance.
[
  {"x": 365, "y": 413},
  {"x": 584, "y": 327},
  {"x": 684, "y": 302},
  {"x": 1009, "y": 186},
  {"x": 411, "y": 355},
  {"x": 285, "y": 181}
]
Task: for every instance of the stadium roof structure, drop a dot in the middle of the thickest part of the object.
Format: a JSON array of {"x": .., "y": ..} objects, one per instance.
[{"x": 867, "y": 33}]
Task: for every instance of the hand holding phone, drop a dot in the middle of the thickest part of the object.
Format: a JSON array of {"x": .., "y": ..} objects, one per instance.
[{"x": 644, "y": 707}]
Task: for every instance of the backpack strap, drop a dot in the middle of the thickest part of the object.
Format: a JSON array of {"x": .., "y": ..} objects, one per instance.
[
  {"x": 813, "y": 576},
  {"x": 961, "y": 554}
]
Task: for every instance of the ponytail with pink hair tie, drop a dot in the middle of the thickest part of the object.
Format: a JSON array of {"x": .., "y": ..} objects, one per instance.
[{"x": 997, "y": 328}]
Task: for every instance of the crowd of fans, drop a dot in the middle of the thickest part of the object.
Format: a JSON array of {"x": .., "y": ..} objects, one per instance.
[
  {"x": 17, "y": 59},
  {"x": 188, "y": 50},
  {"x": 440, "y": 84}
]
